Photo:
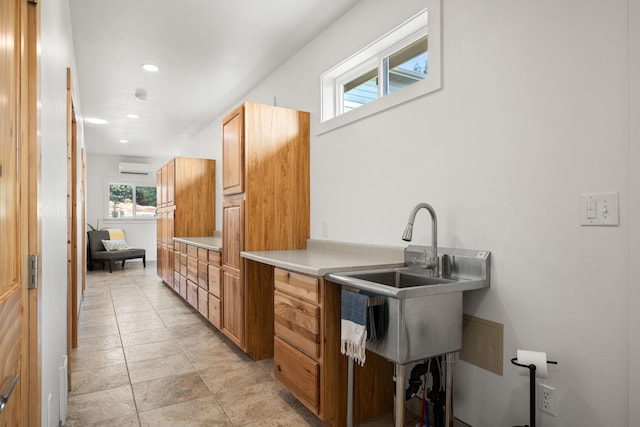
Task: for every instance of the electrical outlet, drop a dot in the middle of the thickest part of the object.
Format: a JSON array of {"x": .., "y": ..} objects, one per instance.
[{"x": 547, "y": 399}]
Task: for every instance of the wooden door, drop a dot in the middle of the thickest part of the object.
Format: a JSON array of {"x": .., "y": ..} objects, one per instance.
[
  {"x": 233, "y": 306},
  {"x": 14, "y": 227},
  {"x": 233, "y": 296},
  {"x": 232, "y": 232},
  {"x": 233, "y": 152}
]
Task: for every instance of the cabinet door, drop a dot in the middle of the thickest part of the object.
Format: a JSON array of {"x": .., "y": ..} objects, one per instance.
[
  {"x": 159, "y": 200},
  {"x": 171, "y": 182},
  {"x": 232, "y": 232},
  {"x": 163, "y": 186},
  {"x": 233, "y": 306},
  {"x": 233, "y": 152}
]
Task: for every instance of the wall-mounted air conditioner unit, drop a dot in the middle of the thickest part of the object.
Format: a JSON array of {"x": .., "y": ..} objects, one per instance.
[{"x": 134, "y": 168}]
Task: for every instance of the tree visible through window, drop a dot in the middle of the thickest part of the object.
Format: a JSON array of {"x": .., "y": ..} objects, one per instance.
[{"x": 122, "y": 205}]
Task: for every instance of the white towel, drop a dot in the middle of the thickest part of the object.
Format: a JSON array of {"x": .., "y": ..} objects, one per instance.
[{"x": 353, "y": 326}]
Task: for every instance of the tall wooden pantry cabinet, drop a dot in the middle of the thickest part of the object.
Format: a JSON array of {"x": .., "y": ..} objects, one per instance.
[
  {"x": 186, "y": 195},
  {"x": 265, "y": 184}
]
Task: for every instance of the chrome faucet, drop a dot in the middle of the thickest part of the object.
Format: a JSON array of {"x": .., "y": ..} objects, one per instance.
[{"x": 432, "y": 262}]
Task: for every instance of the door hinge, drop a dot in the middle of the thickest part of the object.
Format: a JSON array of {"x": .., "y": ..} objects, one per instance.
[
  {"x": 34, "y": 260},
  {"x": 32, "y": 1}
]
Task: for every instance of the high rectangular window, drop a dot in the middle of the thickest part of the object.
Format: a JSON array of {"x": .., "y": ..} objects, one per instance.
[{"x": 401, "y": 65}]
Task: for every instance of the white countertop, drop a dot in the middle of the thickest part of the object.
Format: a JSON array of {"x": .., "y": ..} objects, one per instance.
[
  {"x": 325, "y": 256},
  {"x": 213, "y": 243}
]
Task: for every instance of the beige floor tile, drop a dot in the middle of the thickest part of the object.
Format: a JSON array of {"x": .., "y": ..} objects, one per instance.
[
  {"x": 105, "y": 321},
  {"x": 232, "y": 374},
  {"x": 90, "y": 408},
  {"x": 296, "y": 417},
  {"x": 244, "y": 405},
  {"x": 146, "y": 336},
  {"x": 92, "y": 380},
  {"x": 147, "y": 370},
  {"x": 212, "y": 356},
  {"x": 97, "y": 331},
  {"x": 93, "y": 344},
  {"x": 195, "y": 413},
  {"x": 168, "y": 391},
  {"x": 81, "y": 361},
  {"x": 128, "y": 421},
  {"x": 195, "y": 332},
  {"x": 130, "y": 308},
  {"x": 182, "y": 319},
  {"x": 141, "y": 325},
  {"x": 137, "y": 316},
  {"x": 154, "y": 350}
]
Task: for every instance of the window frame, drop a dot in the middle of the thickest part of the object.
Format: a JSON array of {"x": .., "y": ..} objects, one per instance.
[
  {"x": 332, "y": 81},
  {"x": 134, "y": 183}
]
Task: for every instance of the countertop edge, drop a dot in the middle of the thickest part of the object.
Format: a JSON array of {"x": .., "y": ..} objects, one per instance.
[
  {"x": 332, "y": 257},
  {"x": 205, "y": 242}
]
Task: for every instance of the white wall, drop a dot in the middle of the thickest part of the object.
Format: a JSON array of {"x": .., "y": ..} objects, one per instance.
[
  {"x": 634, "y": 212},
  {"x": 533, "y": 112},
  {"x": 56, "y": 55},
  {"x": 206, "y": 144},
  {"x": 103, "y": 168}
]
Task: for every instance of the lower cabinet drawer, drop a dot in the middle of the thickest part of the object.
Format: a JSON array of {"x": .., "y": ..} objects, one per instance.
[
  {"x": 298, "y": 373},
  {"x": 183, "y": 264},
  {"x": 176, "y": 281},
  {"x": 214, "y": 280},
  {"x": 203, "y": 301},
  {"x": 182, "y": 289},
  {"x": 215, "y": 313},
  {"x": 297, "y": 322},
  {"x": 192, "y": 293}
]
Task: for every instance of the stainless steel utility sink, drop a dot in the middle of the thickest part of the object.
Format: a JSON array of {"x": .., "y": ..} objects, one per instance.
[
  {"x": 424, "y": 312},
  {"x": 399, "y": 278}
]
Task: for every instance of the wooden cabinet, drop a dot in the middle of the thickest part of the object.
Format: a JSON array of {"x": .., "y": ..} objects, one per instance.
[
  {"x": 186, "y": 207},
  {"x": 197, "y": 278},
  {"x": 265, "y": 181},
  {"x": 307, "y": 359},
  {"x": 233, "y": 152}
]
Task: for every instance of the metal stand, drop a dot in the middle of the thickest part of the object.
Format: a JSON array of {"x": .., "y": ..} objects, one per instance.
[
  {"x": 532, "y": 389},
  {"x": 448, "y": 405},
  {"x": 350, "y": 394},
  {"x": 398, "y": 403}
]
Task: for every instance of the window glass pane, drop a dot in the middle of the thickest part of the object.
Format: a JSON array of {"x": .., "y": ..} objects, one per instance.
[
  {"x": 120, "y": 201},
  {"x": 409, "y": 65},
  {"x": 145, "y": 202},
  {"x": 360, "y": 91}
]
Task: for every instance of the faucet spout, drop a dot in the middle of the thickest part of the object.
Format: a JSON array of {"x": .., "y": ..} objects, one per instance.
[{"x": 432, "y": 263}]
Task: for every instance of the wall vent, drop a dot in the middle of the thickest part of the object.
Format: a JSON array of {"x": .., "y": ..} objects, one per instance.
[{"x": 134, "y": 168}]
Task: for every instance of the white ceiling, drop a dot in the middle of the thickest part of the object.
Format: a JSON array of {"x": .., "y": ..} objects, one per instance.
[{"x": 210, "y": 52}]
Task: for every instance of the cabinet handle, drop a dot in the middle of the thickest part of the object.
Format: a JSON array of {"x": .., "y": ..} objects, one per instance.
[
  {"x": 6, "y": 389},
  {"x": 279, "y": 368}
]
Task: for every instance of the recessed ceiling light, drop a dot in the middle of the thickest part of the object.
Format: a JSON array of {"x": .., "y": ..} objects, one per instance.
[
  {"x": 124, "y": 141},
  {"x": 150, "y": 67},
  {"x": 133, "y": 116},
  {"x": 95, "y": 121}
]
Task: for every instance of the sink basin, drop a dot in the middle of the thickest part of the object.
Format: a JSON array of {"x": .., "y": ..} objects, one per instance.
[
  {"x": 424, "y": 312},
  {"x": 399, "y": 278}
]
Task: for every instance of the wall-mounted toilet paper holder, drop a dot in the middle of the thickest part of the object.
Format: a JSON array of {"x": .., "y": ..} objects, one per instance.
[{"x": 532, "y": 388}]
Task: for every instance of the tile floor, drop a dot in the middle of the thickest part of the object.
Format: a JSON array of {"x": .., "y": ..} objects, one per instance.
[{"x": 146, "y": 358}]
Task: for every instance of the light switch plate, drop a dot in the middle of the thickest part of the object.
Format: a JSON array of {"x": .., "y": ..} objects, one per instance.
[{"x": 599, "y": 209}]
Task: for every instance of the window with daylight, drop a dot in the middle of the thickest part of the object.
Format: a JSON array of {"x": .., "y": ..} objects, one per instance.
[
  {"x": 402, "y": 65},
  {"x": 130, "y": 201}
]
